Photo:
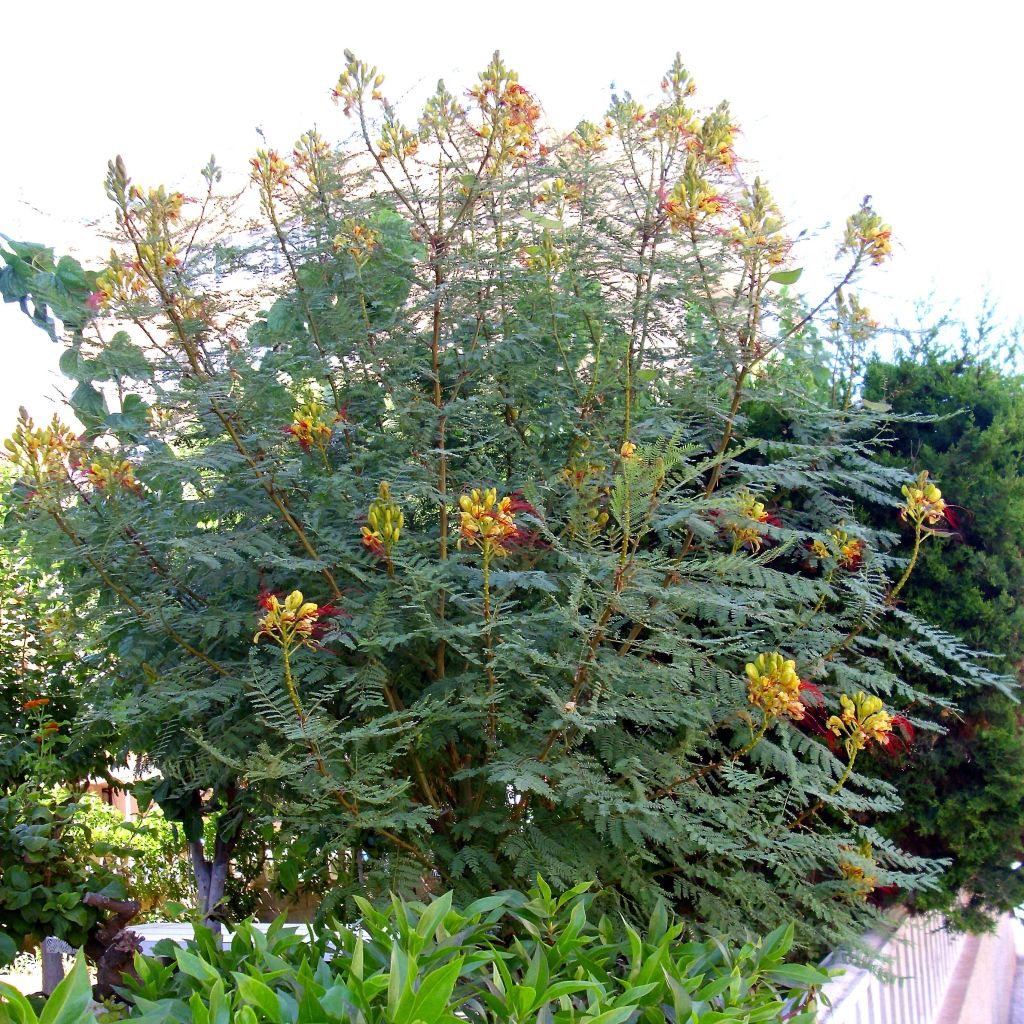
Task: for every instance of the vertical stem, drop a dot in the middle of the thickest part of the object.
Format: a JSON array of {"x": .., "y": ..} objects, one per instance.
[
  {"x": 918, "y": 537},
  {"x": 289, "y": 683},
  {"x": 842, "y": 778},
  {"x": 492, "y": 683}
]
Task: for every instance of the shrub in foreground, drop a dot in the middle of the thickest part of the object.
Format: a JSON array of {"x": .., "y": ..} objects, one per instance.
[{"x": 507, "y": 957}]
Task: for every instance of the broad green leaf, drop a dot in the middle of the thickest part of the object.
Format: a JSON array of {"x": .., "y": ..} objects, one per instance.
[
  {"x": 256, "y": 993},
  {"x": 786, "y": 276},
  {"x": 713, "y": 988},
  {"x": 88, "y": 404},
  {"x": 435, "y": 913},
  {"x": 797, "y": 975},
  {"x": 70, "y": 999},
  {"x": 778, "y": 942},
  {"x": 16, "y": 1007},
  {"x": 434, "y": 993},
  {"x": 549, "y": 223},
  {"x": 615, "y": 1016},
  {"x": 195, "y": 967},
  {"x": 220, "y": 1004},
  {"x": 198, "y": 1009}
]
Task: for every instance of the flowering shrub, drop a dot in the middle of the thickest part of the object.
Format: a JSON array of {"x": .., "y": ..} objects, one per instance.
[{"x": 525, "y": 651}]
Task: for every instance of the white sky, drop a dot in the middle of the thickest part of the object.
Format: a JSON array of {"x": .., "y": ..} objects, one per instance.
[{"x": 916, "y": 103}]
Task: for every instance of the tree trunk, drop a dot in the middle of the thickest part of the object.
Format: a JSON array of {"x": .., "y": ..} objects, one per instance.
[
  {"x": 212, "y": 874},
  {"x": 211, "y": 877}
]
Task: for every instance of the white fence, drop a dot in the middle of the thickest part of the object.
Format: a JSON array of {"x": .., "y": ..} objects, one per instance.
[
  {"x": 936, "y": 978},
  {"x": 921, "y": 956}
]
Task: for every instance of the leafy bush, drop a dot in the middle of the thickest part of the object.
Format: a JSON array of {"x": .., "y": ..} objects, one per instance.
[
  {"x": 149, "y": 855},
  {"x": 43, "y": 657},
  {"x": 507, "y": 957},
  {"x": 48, "y": 868},
  {"x": 461, "y": 434}
]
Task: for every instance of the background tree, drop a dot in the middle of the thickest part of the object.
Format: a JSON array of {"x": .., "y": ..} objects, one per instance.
[
  {"x": 455, "y": 557},
  {"x": 963, "y": 792}
]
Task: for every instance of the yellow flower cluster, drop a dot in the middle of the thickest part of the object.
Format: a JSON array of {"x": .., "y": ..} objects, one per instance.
[
  {"x": 557, "y": 193},
  {"x": 589, "y": 138},
  {"x": 486, "y": 522},
  {"x": 309, "y": 150},
  {"x": 759, "y": 233},
  {"x": 543, "y": 256},
  {"x": 754, "y": 509},
  {"x": 358, "y": 239},
  {"x": 857, "y": 875},
  {"x": 289, "y": 621},
  {"x": 510, "y": 113},
  {"x": 121, "y": 282},
  {"x": 863, "y": 720},
  {"x": 155, "y": 203},
  {"x": 692, "y": 199},
  {"x": 867, "y": 234},
  {"x": 774, "y": 686},
  {"x": 353, "y": 82},
  {"x": 925, "y": 505},
  {"x": 312, "y": 425},
  {"x": 440, "y": 111},
  {"x": 397, "y": 140},
  {"x": 40, "y": 452},
  {"x": 717, "y": 136},
  {"x": 848, "y": 551},
  {"x": 109, "y": 474},
  {"x": 385, "y": 520},
  {"x": 269, "y": 168}
]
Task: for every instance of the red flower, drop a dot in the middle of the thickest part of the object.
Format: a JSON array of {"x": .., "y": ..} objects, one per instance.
[
  {"x": 38, "y": 702},
  {"x": 373, "y": 543},
  {"x": 815, "y": 713},
  {"x": 521, "y": 537},
  {"x": 327, "y": 611},
  {"x": 301, "y": 430},
  {"x": 898, "y": 743}
]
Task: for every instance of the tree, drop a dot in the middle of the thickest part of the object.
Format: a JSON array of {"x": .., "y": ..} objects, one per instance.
[
  {"x": 467, "y": 418},
  {"x": 963, "y": 792}
]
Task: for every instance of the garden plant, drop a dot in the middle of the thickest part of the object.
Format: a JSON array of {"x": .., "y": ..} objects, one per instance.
[
  {"x": 419, "y": 509},
  {"x": 511, "y": 956}
]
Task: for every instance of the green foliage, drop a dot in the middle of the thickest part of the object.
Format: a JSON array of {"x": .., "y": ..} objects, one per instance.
[
  {"x": 68, "y": 1004},
  {"x": 43, "y": 656},
  {"x": 148, "y": 855},
  {"x": 507, "y": 957},
  {"x": 964, "y": 793},
  {"x": 55, "y": 288},
  {"x": 46, "y": 870},
  {"x": 531, "y": 657}
]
